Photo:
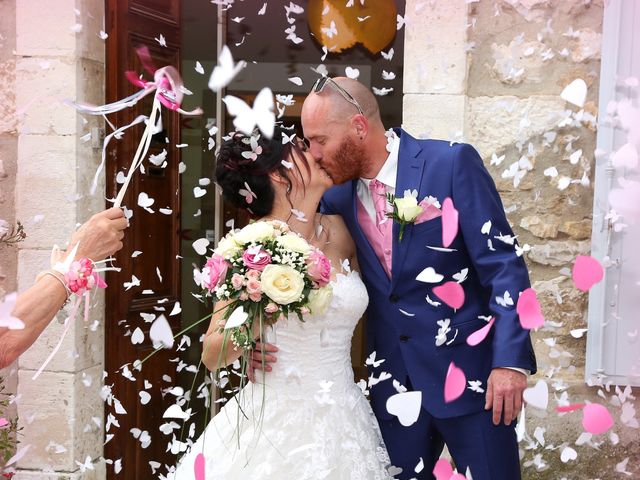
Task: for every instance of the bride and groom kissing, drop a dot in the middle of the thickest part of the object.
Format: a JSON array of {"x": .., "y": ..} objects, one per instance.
[{"x": 303, "y": 416}]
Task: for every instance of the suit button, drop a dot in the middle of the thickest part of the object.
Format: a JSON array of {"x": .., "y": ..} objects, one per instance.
[
  {"x": 394, "y": 298},
  {"x": 404, "y": 338}
]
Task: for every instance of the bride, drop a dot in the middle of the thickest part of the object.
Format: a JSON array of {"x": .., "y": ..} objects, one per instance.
[{"x": 304, "y": 418}]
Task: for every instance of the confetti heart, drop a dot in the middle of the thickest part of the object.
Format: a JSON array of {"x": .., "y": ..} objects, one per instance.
[
  {"x": 406, "y": 406},
  {"x": 449, "y": 222},
  {"x": 450, "y": 293},
  {"x": 199, "y": 192},
  {"x": 200, "y": 246},
  {"x": 121, "y": 177},
  {"x": 352, "y": 72},
  {"x": 575, "y": 92},
  {"x": 479, "y": 335},
  {"x": 596, "y": 419},
  {"x": 137, "y": 336},
  {"x": 237, "y": 318},
  {"x": 443, "y": 470},
  {"x": 3, "y": 422},
  {"x": 568, "y": 454},
  {"x": 174, "y": 411},
  {"x": 529, "y": 310},
  {"x": 454, "y": 384},
  {"x": 587, "y": 271},
  {"x": 429, "y": 275},
  {"x": 144, "y": 397},
  {"x": 144, "y": 200},
  {"x": 625, "y": 156},
  {"x": 538, "y": 395},
  {"x": 160, "y": 332},
  {"x": 198, "y": 467}
]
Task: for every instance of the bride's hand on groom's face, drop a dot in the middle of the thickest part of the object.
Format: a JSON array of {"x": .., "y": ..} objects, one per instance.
[{"x": 257, "y": 361}]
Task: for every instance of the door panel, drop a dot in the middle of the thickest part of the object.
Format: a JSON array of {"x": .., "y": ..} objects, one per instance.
[{"x": 130, "y": 24}]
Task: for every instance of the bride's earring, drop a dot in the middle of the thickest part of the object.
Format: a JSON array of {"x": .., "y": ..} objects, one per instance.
[{"x": 288, "y": 188}]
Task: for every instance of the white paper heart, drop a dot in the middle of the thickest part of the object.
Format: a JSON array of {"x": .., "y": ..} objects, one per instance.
[
  {"x": 160, "y": 332},
  {"x": 568, "y": 454},
  {"x": 486, "y": 227},
  {"x": 625, "y": 156},
  {"x": 406, "y": 406},
  {"x": 137, "y": 336},
  {"x": 174, "y": 411},
  {"x": 120, "y": 178},
  {"x": 429, "y": 275},
  {"x": 575, "y": 92},
  {"x": 144, "y": 200},
  {"x": 199, "y": 192},
  {"x": 200, "y": 246},
  {"x": 237, "y": 318},
  {"x": 538, "y": 395},
  {"x": 144, "y": 397},
  {"x": 352, "y": 72}
]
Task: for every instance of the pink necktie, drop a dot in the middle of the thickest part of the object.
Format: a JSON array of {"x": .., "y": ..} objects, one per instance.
[{"x": 379, "y": 195}]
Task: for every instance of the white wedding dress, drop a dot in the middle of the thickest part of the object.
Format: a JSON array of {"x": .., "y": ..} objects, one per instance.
[{"x": 316, "y": 423}]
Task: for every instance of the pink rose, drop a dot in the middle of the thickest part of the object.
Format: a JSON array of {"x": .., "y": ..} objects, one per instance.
[
  {"x": 319, "y": 268},
  {"x": 254, "y": 289},
  {"x": 256, "y": 259},
  {"x": 271, "y": 308},
  {"x": 80, "y": 275},
  {"x": 237, "y": 281},
  {"x": 252, "y": 275},
  {"x": 214, "y": 272},
  {"x": 244, "y": 296}
]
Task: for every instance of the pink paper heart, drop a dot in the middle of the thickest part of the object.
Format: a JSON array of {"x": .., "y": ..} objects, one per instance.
[
  {"x": 529, "y": 310},
  {"x": 450, "y": 293},
  {"x": 458, "y": 476},
  {"x": 596, "y": 419},
  {"x": 449, "y": 222},
  {"x": 429, "y": 212},
  {"x": 454, "y": 384},
  {"x": 587, "y": 271},
  {"x": 3, "y": 422},
  {"x": 442, "y": 470},
  {"x": 479, "y": 335},
  {"x": 198, "y": 467}
]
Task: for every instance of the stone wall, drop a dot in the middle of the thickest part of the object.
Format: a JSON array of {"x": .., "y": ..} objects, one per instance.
[
  {"x": 490, "y": 73},
  {"x": 48, "y": 55}
]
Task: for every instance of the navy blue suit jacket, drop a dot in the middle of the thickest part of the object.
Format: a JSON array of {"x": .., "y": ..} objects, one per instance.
[{"x": 401, "y": 324}]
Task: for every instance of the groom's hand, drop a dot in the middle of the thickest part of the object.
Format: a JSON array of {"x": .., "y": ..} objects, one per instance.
[
  {"x": 256, "y": 359},
  {"x": 504, "y": 394}
]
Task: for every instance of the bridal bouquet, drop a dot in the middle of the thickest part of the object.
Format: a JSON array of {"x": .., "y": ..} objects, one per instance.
[{"x": 264, "y": 272}]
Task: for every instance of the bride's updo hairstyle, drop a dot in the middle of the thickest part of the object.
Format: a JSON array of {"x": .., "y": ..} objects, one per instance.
[{"x": 238, "y": 163}]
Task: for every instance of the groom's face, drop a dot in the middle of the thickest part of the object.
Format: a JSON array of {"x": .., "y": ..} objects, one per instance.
[{"x": 331, "y": 142}]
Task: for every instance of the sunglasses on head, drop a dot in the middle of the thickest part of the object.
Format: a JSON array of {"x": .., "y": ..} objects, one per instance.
[{"x": 322, "y": 81}]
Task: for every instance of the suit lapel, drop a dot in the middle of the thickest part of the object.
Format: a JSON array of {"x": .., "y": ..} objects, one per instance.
[{"x": 409, "y": 177}]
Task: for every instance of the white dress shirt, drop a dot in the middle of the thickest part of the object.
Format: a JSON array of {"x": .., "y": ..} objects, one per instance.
[{"x": 387, "y": 176}]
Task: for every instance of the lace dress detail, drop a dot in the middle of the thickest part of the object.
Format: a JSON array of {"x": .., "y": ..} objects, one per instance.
[{"x": 315, "y": 422}]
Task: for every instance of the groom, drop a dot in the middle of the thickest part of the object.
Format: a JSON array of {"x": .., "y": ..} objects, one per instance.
[{"x": 409, "y": 327}]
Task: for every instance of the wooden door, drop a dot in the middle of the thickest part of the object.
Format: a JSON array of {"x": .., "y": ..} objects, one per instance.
[{"x": 129, "y": 24}]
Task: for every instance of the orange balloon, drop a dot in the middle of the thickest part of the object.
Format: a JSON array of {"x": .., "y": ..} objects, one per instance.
[{"x": 373, "y": 25}]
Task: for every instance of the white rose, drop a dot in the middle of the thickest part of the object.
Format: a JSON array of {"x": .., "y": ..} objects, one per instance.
[
  {"x": 282, "y": 284},
  {"x": 294, "y": 242},
  {"x": 227, "y": 246},
  {"x": 254, "y": 232},
  {"x": 320, "y": 299},
  {"x": 408, "y": 208}
]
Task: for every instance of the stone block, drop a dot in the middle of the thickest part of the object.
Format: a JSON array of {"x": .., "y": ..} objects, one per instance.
[
  {"x": 41, "y": 85},
  {"x": 494, "y": 123},
  {"x": 89, "y": 45},
  {"x": 45, "y": 30},
  {"x": 98, "y": 473},
  {"x": 542, "y": 228},
  {"x": 8, "y": 117},
  {"x": 56, "y": 412},
  {"x": 577, "y": 229},
  {"x": 435, "y": 58},
  {"x": 434, "y": 116},
  {"x": 558, "y": 253},
  {"x": 46, "y": 186}
]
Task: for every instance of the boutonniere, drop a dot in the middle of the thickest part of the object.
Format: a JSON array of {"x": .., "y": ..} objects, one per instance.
[{"x": 407, "y": 210}]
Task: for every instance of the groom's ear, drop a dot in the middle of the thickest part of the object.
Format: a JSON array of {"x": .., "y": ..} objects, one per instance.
[{"x": 360, "y": 125}]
